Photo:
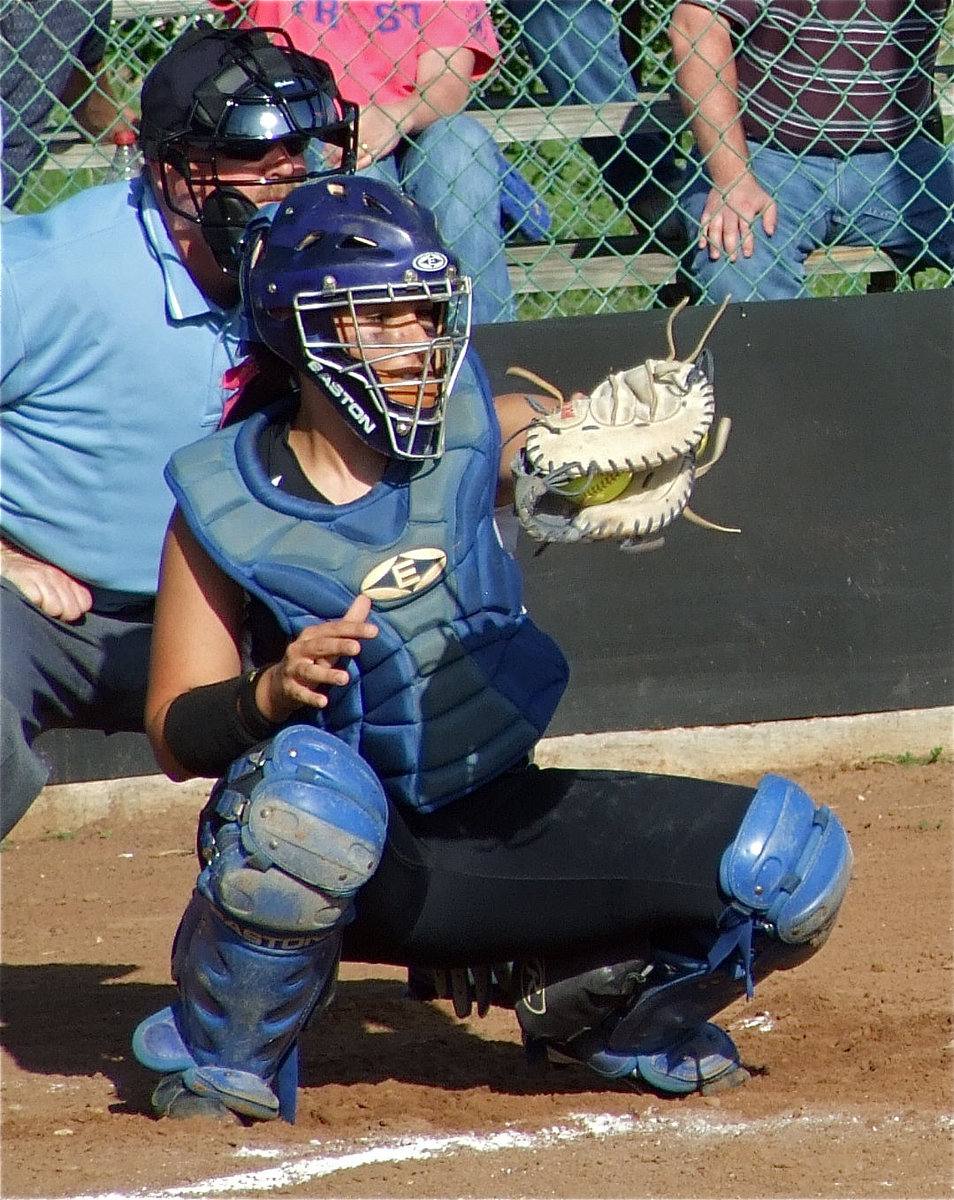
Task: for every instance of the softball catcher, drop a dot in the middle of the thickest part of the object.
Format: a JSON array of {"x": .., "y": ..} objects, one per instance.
[{"x": 376, "y": 800}]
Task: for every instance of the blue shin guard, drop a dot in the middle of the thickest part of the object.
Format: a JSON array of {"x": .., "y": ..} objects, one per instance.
[
  {"x": 784, "y": 876},
  {"x": 158, "y": 1044},
  {"x": 786, "y": 873},
  {"x": 289, "y": 836},
  {"x": 244, "y": 997}
]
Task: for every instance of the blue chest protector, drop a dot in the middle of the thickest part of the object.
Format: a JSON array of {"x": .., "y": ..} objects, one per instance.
[{"x": 459, "y": 683}]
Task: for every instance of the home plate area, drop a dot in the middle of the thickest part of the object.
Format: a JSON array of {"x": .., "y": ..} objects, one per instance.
[{"x": 850, "y": 1054}]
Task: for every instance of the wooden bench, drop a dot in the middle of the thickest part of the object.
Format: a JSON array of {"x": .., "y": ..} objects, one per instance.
[{"x": 595, "y": 264}]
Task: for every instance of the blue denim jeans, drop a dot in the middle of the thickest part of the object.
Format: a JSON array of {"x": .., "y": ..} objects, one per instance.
[
  {"x": 899, "y": 201},
  {"x": 452, "y": 168},
  {"x": 89, "y": 673},
  {"x": 574, "y": 46}
]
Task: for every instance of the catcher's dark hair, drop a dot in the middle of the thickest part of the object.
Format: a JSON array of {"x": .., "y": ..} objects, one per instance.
[{"x": 273, "y": 378}]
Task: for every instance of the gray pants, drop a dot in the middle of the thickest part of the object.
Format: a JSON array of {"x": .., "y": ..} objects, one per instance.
[{"x": 89, "y": 673}]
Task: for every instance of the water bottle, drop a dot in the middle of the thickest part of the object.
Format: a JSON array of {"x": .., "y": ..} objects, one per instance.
[{"x": 126, "y": 162}]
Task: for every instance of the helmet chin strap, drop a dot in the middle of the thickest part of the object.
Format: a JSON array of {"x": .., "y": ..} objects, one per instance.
[{"x": 223, "y": 217}]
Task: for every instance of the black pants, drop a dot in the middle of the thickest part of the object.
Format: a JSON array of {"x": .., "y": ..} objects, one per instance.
[{"x": 547, "y": 861}]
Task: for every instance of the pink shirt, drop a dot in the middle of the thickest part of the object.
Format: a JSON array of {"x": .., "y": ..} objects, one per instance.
[{"x": 373, "y": 46}]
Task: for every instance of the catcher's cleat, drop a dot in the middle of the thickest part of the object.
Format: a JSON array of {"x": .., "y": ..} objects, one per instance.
[
  {"x": 171, "y": 1098},
  {"x": 704, "y": 1060}
]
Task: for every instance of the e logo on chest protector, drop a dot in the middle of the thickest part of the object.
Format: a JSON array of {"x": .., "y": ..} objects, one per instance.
[{"x": 404, "y": 574}]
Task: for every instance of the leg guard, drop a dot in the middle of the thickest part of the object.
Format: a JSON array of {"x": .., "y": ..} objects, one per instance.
[
  {"x": 785, "y": 875},
  {"x": 289, "y": 837},
  {"x": 305, "y": 808},
  {"x": 790, "y": 864},
  {"x": 244, "y": 996}
]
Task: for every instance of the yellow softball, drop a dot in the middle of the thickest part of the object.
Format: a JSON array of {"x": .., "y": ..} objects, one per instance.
[{"x": 603, "y": 487}]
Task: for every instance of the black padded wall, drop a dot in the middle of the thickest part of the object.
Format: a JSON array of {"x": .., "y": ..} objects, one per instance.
[{"x": 837, "y": 596}]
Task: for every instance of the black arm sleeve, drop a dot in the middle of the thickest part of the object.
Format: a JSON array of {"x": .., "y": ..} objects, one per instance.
[{"x": 208, "y": 727}]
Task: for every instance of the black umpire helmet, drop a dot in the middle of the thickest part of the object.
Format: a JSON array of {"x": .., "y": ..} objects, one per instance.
[{"x": 234, "y": 93}]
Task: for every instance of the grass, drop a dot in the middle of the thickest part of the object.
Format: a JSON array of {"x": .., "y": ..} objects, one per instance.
[
  {"x": 51, "y": 186},
  {"x": 910, "y": 759}
]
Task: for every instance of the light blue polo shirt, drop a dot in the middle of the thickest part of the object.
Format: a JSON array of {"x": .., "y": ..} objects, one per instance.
[{"x": 111, "y": 359}]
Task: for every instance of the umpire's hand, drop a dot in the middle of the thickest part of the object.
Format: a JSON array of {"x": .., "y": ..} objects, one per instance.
[{"x": 50, "y": 589}]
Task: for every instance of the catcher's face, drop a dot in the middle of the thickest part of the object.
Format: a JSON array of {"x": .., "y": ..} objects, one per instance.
[
  {"x": 396, "y": 349},
  {"x": 397, "y": 340}
]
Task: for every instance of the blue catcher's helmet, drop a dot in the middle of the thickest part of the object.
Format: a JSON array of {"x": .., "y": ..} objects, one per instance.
[
  {"x": 350, "y": 282},
  {"x": 235, "y": 94}
]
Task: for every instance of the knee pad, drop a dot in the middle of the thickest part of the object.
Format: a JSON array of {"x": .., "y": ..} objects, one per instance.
[
  {"x": 790, "y": 863},
  {"x": 293, "y": 832},
  {"x": 785, "y": 873},
  {"x": 267, "y": 900}
]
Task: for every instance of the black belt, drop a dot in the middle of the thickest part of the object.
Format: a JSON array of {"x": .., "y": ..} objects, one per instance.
[{"x": 131, "y": 605}]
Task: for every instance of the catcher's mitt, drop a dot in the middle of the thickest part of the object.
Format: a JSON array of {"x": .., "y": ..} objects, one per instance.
[{"x": 621, "y": 462}]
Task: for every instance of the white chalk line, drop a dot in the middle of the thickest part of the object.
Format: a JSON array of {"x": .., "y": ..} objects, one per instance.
[{"x": 347, "y": 1157}]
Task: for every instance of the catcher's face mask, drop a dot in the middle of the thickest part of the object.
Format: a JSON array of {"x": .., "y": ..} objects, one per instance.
[
  {"x": 396, "y": 351},
  {"x": 350, "y": 282}
]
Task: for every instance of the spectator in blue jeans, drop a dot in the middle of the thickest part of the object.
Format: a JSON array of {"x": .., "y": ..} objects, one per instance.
[
  {"x": 848, "y": 152},
  {"x": 411, "y": 70},
  {"x": 574, "y": 46}
]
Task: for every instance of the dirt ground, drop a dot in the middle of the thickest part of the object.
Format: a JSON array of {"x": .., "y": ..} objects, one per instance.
[{"x": 851, "y": 1054}]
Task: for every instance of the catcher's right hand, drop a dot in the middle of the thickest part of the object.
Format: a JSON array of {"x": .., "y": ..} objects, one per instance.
[{"x": 621, "y": 462}]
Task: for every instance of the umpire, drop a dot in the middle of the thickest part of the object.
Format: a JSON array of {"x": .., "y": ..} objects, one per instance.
[{"x": 119, "y": 329}]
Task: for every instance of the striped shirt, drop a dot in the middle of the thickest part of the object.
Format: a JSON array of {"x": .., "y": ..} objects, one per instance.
[{"x": 833, "y": 76}]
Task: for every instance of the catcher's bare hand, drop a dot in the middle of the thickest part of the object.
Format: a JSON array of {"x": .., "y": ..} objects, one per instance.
[{"x": 309, "y": 667}]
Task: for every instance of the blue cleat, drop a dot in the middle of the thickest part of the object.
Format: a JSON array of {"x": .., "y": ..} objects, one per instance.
[{"x": 703, "y": 1060}]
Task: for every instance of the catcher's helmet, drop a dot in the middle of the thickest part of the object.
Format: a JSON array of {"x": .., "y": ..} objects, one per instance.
[
  {"x": 326, "y": 284},
  {"x": 235, "y": 93}
]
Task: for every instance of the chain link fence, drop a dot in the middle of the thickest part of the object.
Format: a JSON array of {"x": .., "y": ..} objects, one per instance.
[{"x": 603, "y": 115}]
